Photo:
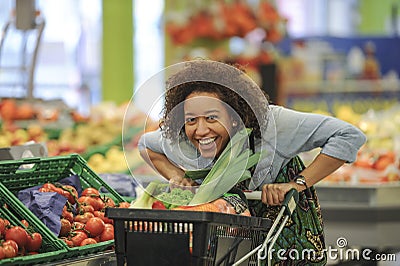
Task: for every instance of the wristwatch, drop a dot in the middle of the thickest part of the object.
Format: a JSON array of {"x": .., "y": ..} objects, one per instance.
[{"x": 300, "y": 180}]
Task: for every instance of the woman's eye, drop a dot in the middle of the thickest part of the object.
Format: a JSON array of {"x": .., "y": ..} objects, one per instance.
[
  {"x": 190, "y": 120},
  {"x": 212, "y": 118}
]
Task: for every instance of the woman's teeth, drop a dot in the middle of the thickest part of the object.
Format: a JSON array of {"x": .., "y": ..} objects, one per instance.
[{"x": 206, "y": 141}]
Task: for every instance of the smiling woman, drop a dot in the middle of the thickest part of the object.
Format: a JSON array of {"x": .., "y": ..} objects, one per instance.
[{"x": 207, "y": 106}]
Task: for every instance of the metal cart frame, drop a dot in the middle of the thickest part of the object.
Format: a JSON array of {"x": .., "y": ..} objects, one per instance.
[{"x": 264, "y": 250}]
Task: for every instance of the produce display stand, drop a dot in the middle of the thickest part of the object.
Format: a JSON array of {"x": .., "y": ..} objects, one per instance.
[
  {"x": 16, "y": 175},
  {"x": 171, "y": 237}
]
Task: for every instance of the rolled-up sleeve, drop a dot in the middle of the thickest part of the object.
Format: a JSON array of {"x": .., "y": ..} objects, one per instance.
[
  {"x": 299, "y": 132},
  {"x": 344, "y": 144}
]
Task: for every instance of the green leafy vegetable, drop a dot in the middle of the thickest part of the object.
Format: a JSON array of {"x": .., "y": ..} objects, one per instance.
[
  {"x": 230, "y": 168},
  {"x": 176, "y": 197}
]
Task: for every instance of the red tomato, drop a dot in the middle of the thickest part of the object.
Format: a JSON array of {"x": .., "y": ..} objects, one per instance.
[
  {"x": 109, "y": 202},
  {"x": 97, "y": 238},
  {"x": 90, "y": 191},
  {"x": 65, "y": 227},
  {"x": 109, "y": 227},
  {"x": 70, "y": 193},
  {"x": 83, "y": 218},
  {"x": 94, "y": 226},
  {"x": 11, "y": 243},
  {"x": 2, "y": 254},
  {"x": 49, "y": 186},
  {"x": 88, "y": 241},
  {"x": 97, "y": 203},
  {"x": 77, "y": 225},
  {"x": 2, "y": 227},
  {"x": 25, "y": 223},
  {"x": 34, "y": 242},
  {"x": 85, "y": 208},
  {"x": 124, "y": 204},
  {"x": 7, "y": 223},
  {"x": 67, "y": 241},
  {"x": 78, "y": 237},
  {"x": 108, "y": 233},
  {"x": 67, "y": 215},
  {"x": 43, "y": 189},
  {"x": 84, "y": 200},
  {"x": 18, "y": 234},
  {"x": 103, "y": 217},
  {"x": 9, "y": 251},
  {"x": 158, "y": 205}
]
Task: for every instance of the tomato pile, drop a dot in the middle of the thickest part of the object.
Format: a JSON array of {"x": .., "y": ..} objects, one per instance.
[
  {"x": 83, "y": 220},
  {"x": 17, "y": 240}
]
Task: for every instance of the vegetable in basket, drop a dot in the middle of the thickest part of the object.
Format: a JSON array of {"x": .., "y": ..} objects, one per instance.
[
  {"x": 231, "y": 167},
  {"x": 145, "y": 200}
]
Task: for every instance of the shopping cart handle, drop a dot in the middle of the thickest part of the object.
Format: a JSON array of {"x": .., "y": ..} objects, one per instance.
[{"x": 290, "y": 201}]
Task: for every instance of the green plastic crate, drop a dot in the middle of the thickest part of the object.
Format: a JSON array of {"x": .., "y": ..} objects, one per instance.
[
  {"x": 50, "y": 250},
  {"x": 21, "y": 174}
]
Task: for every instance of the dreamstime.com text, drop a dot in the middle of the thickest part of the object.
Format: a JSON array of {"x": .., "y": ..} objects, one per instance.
[{"x": 341, "y": 252}]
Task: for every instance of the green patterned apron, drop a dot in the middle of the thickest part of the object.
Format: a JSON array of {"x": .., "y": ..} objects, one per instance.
[{"x": 302, "y": 240}]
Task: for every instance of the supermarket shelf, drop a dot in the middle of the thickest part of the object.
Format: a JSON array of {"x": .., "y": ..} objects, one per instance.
[
  {"x": 359, "y": 195},
  {"x": 375, "y": 227},
  {"x": 342, "y": 86},
  {"x": 365, "y": 215}
]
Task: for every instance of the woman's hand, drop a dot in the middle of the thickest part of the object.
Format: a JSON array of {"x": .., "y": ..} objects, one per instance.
[
  {"x": 274, "y": 194},
  {"x": 183, "y": 183}
]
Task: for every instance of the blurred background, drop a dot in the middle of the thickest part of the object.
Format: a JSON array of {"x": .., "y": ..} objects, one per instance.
[{"x": 315, "y": 42}]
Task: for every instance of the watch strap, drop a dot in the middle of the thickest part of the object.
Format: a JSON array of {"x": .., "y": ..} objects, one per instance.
[{"x": 301, "y": 180}]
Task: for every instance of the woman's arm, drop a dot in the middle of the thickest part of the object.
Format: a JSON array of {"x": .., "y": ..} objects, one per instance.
[
  {"x": 163, "y": 166},
  {"x": 322, "y": 166},
  {"x": 298, "y": 132}
]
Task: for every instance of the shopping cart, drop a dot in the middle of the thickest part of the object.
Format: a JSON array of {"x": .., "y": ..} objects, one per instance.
[{"x": 170, "y": 237}]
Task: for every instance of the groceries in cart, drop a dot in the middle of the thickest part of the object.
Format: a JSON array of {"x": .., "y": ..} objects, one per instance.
[{"x": 216, "y": 192}]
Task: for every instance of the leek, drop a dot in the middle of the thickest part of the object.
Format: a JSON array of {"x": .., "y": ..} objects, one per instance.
[
  {"x": 230, "y": 168},
  {"x": 146, "y": 200}
]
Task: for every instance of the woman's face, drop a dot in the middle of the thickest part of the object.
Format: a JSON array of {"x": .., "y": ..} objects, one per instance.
[{"x": 207, "y": 123}]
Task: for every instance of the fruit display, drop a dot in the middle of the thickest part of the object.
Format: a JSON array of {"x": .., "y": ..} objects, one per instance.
[
  {"x": 97, "y": 137},
  {"x": 378, "y": 160}
]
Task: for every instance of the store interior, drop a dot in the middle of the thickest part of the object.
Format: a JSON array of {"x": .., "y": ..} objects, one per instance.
[{"x": 75, "y": 75}]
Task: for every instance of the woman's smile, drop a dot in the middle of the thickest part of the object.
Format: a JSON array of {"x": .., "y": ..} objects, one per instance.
[
  {"x": 207, "y": 145},
  {"x": 206, "y": 141}
]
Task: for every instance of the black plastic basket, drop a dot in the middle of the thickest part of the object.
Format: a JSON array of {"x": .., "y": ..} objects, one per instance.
[{"x": 166, "y": 237}]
